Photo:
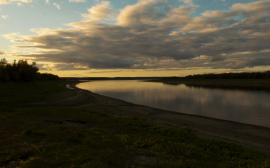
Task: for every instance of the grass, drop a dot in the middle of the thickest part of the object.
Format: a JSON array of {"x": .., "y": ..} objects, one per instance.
[
  {"x": 71, "y": 137},
  {"x": 22, "y": 93}
]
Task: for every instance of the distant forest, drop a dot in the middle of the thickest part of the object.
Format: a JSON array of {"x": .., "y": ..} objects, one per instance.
[
  {"x": 22, "y": 71},
  {"x": 242, "y": 75}
]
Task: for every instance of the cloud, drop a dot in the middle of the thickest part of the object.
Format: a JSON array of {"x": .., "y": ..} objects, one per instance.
[
  {"x": 60, "y": 67},
  {"x": 2, "y": 52},
  {"x": 188, "y": 2},
  {"x": 77, "y": 1},
  {"x": 10, "y": 1},
  {"x": 99, "y": 12},
  {"x": 152, "y": 34},
  {"x": 4, "y": 16},
  {"x": 57, "y": 5},
  {"x": 19, "y": 4}
]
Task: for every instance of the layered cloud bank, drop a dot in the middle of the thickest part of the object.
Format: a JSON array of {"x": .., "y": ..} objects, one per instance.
[
  {"x": 10, "y": 1},
  {"x": 153, "y": 34}
]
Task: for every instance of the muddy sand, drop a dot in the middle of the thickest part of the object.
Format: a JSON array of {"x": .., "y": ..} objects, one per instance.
[{"x": 251, "y": 136}]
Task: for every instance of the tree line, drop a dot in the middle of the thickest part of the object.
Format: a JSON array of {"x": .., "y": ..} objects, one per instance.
[
  {"x": 242, "y": 75},
  {"x": 22, "y": 71}
]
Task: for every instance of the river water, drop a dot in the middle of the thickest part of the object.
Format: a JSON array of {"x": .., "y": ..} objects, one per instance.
[{"x": 251, "y": 107}]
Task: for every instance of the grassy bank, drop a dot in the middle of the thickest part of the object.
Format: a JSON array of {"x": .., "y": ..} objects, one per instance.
[{"x": 71, "y": 137}]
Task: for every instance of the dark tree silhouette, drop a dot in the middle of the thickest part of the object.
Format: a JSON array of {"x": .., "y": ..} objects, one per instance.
[
  {"x": 22, "y": 71},
  {"x": 243, "y": 75}
]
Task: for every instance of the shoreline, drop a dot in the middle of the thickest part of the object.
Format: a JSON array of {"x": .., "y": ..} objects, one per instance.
[
  {"x": 250, "y": 136},
  {"x": 171, "y": 112},
  {"x": 231, "y": 84},
  {"x": 57, "y": 124}
]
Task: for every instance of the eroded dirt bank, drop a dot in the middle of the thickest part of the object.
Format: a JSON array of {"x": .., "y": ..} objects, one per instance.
[{"x": 251, "y": 136}]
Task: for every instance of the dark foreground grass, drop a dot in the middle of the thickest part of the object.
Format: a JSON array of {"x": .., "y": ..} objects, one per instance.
[
  {"x": 21, "y": 93},
  {"x": 70, "y": 137}
]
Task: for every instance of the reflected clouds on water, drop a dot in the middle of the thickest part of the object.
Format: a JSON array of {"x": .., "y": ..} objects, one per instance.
[{"x": 251, "y": 107}]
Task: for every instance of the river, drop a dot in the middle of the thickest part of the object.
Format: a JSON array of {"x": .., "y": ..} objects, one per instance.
[{"x": 250, "y": 107}]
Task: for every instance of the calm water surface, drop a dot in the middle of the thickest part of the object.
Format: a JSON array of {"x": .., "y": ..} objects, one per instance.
[{"x": 251, "y": 107}]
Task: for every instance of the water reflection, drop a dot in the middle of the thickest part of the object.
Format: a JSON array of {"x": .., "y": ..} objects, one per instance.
[{"x": 235, "y": 105}]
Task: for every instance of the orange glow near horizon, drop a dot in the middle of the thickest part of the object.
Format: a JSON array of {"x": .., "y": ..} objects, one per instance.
[{"x": 147, "y": 73}]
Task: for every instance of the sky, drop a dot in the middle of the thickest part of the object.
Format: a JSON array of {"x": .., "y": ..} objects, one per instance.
[{"x": 116, "y": 38}]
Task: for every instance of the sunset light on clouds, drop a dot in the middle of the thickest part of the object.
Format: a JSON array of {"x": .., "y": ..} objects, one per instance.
[{"x": 137, "y": 38}]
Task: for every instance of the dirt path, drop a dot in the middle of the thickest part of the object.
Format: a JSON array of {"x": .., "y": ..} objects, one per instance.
[{"x": 251, "y": 136}]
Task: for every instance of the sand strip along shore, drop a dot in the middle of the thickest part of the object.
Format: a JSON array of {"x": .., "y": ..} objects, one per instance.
[{"x": 251, "y": 136}]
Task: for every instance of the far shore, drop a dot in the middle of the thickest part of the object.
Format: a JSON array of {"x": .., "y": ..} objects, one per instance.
[
  {"x": 251, "y": 136},
  {"x": 233, "y": 84}
]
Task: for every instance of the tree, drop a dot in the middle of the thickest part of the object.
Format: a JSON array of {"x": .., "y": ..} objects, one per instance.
[{"x": 22, "y": 71}]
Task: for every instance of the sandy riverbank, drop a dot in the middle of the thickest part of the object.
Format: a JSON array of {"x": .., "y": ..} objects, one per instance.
[{"x": 251, "y": 136}]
